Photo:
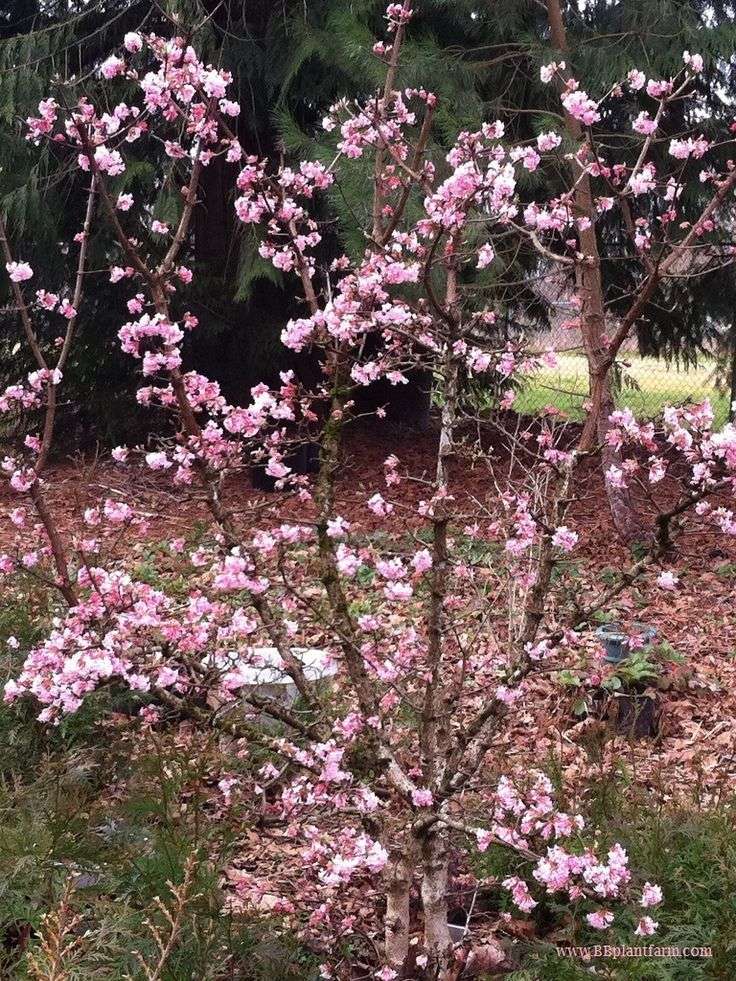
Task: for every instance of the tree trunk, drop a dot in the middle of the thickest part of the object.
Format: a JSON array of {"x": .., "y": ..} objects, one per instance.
[
  {"x": 396, "y": 926},
  {"x": 589, "y": 283},
  {"x": 732, "y": 389},
  {"x": 626, "y": 518},
  {"x": 213, "y": 222},
  {"x": 437, "y": 941}
]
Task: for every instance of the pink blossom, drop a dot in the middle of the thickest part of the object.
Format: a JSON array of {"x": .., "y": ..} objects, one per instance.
[
  {"x": 529, "y": 157},
  {"x": 520, "y": 893},
  {"x": 133, "y": 42},
  {"x": 422, "y": 561},
  {"x": 66, "y": 309},
  {"x": 615, "y": 477},
  {"x": 111, "y": 67},
  {"x": 397, "y": 13},
  {"x": 167, "y": 677},
  {"x": 18, "y": 517},
  {"x": 658, "y": 89},
  {"x": 421, "y": 797},
  {"x": 646, "y": 927},
  {"x": 645, "y": 124},
  {"x": 124, "y": 202},
  {"x": 337, "y": 527},
  {"x": 229, "y": 108},
  {"x": 657, "y": 471},
  {"x": 547, "y": 72},
  {"x": 485, "y": 256},
  {"x": 44, "y": 123},
  {"x": 22, "y": 480},
  {"x": 548, "y": 141},
  {"x": 478, "y": 361},
  {"x": 117, "y": 512},
  {"x": 508, "y": 399},
  {"x": 601, "y": 919},
  {"x": 47, "y": 300},
  {"x": 277, "y": 468},
  {"x": 399, "y": 591},
  {"x": 150, "y": 714},
  {"x": 109, "y": 161},
  {"x": 379, "y": 506},
  {"x": 682, "y": 149},
  {"x": 583, "y": 108},
  {"x": 667, "y": 580},
  {"x": 565, "y": 539},
  {"x": 215, "y": 83},
  {"x": 507, "y": 695},
  {"x": 507, "y": 364},
  {"x": 651, "y": 895},
  {"x": 19, "y": 271},
  {"x": 157, "y": 461}
]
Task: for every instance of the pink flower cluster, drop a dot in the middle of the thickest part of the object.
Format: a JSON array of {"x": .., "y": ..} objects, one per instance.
[
  {"x": 709, "y": 456},
  {"x": 523, "y": 817},
  {"x": 276, "y": 199},
  {"x": 179, "y": 89}
]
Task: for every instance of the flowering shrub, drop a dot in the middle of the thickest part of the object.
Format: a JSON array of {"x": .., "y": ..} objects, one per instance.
[{"x": 376, "y": 776}]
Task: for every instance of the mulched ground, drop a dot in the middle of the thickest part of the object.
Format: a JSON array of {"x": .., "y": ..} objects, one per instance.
[{"x": 693, "y": 755}]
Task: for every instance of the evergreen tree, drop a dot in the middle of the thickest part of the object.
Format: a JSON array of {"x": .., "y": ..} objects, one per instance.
[{"x": 290, "y": 62}]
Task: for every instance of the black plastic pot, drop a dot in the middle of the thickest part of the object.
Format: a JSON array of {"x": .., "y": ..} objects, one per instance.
[
  {"x": 615, "y": 639},
  {"x": 302, "y": 460}
]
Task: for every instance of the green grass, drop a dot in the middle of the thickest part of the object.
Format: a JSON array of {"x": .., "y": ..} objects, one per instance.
[{"x": 647, "y": 385}]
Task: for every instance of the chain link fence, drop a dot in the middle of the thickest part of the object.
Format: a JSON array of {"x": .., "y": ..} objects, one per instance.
[{"x": 644, "y": 384}]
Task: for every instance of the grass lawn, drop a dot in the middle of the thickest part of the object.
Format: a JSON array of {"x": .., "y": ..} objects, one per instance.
[{"x": 648, "y": 384}]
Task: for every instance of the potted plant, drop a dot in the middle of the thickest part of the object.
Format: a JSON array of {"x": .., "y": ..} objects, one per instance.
[{"x": 633, "y": 702}]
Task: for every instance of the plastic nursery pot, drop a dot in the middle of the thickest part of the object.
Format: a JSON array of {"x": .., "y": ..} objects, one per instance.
[
  {"x": 637, "y": 715},
  {"x": 263, "y": 673},
  {"x": 615, "y": 639},
  {"x": 457, "y": 924}
]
